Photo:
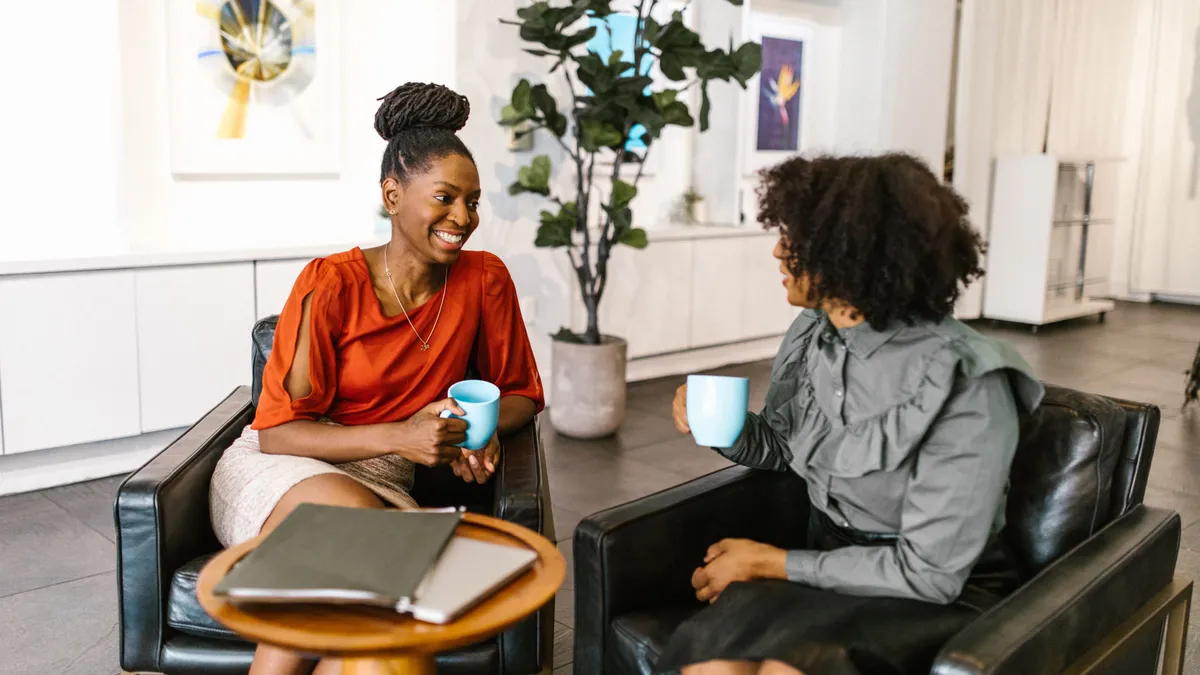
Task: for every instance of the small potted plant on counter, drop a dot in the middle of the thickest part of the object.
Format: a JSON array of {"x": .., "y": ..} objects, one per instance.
[{"x": 612, "y": 99}]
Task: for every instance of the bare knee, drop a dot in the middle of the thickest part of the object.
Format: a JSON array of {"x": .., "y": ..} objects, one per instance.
[
  {"x": 721, "y": 668},
  {"x": 777, "y": 668},
  {"x": 334, "y": 489}
]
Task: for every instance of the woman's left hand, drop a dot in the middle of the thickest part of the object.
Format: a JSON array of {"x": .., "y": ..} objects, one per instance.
[
  {"x": 477, "y": 466},
  {"x": 731, "y": 560}
]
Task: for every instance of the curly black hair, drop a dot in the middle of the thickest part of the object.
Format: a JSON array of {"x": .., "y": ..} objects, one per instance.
[
  {"x": 879, "y": 233},
  {"x": 419, "y": 121}
]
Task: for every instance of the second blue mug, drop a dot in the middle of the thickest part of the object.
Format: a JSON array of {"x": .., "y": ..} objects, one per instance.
[{"x": 481, "y": 402}]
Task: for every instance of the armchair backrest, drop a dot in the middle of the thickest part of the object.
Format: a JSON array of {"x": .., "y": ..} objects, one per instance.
[
  {"x": 1083, "y": 460},
  {"x": 262, "y": 337}
]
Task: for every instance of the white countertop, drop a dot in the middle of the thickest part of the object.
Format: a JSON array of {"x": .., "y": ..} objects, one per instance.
[{"x": 168, "y": 258}]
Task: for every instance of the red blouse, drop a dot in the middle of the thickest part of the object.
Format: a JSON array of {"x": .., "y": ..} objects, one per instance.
[{"x": 367, "y": 368}]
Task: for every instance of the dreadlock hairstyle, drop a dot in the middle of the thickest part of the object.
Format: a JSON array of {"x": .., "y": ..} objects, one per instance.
[
  {"x": 881, "y": 234},
  {"x": 419, "y": 122}
]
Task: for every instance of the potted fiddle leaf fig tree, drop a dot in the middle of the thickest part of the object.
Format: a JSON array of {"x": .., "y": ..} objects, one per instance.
[{"x": 616, "y": 113}]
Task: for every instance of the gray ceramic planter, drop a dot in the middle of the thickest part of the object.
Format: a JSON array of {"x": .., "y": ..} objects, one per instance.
[{"x": 588, "y": 382}]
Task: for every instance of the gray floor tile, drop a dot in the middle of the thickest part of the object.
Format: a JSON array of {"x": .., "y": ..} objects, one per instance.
[
  {"x": 1181, "y": 431},
  {"x": 68, "y": 629},
  {"x": 683, "y": 457},
  {"x": 565, "y": 521},
  {"x": 564, "y": 670},
  {"x": 1188, "y": 505},
  {"x": 90, "y": 502},
  {"x": 1175, "y": 469},
  {"x": 564, "y": 645},
  {"x": 564, "y": 607},
  {"x": 41, "y": 545}
]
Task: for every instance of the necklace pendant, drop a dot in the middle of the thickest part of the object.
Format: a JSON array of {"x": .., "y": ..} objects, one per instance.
[{"x": 425, "y": 347}]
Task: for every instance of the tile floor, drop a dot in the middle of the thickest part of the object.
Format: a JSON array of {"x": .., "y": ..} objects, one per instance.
[{"x": 57, "y": 589}]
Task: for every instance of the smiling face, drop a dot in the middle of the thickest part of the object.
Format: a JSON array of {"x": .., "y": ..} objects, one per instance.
[{"x": 435, "y": 212}]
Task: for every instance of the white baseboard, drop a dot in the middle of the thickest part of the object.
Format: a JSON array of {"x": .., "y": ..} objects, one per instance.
[
  {"x": 696, "y": 360},
  {"x": 41, "y": 469}
]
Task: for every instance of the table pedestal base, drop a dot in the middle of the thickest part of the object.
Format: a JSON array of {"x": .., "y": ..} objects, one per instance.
[{"x": 406, "y": 665}]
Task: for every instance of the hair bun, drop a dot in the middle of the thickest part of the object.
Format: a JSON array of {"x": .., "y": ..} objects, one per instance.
[{"x": 418, "y": 105}]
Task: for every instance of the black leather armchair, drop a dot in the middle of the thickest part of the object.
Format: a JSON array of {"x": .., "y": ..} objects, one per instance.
[
  {"x": 1092, "y": 554},
  {"x": 164, "y": 537}
]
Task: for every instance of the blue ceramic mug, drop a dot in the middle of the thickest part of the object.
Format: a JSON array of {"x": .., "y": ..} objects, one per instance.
[
  {"x": 716, "y": 408},
  {"x": 481, "y": 402}
]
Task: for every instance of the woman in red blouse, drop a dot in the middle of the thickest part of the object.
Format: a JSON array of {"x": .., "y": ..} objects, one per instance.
[{"x": 370, "y": 340}]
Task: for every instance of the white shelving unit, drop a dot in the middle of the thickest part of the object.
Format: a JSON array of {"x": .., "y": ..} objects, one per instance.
[{"x": 1049, "y": 248}]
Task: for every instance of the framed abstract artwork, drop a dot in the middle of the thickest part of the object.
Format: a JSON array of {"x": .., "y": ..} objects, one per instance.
[
  {"x": 253, "y": 87},
  {"x": 778, "y": 101}
]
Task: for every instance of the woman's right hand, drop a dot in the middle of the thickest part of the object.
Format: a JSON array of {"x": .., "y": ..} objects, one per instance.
[
  {"x": 679, "y": 410},
  {"x": 428, "y": 438}
]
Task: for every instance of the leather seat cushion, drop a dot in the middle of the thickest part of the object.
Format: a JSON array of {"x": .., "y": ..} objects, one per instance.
[
  {"x": 639, "y": 638},
  {"x": 184, "y": 612},
  {"x": 185, "y": 615}
]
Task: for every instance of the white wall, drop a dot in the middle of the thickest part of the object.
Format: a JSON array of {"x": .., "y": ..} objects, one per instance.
[
  {"x": 384, "y": 43},
  {"x": 61, "y": 138}
]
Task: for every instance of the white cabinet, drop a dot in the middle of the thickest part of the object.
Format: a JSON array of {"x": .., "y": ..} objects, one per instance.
[
  {"x": 1050, "y": 241},
  {"x": 68, "y": 359},
  {"x": 764, "y": 307},
  {"x": 716, "y": 291},
  {"x": 646, "y": 300},
  {"x": 737, "y": 291},
  {"x": 193, "y": 337},
  {"x": 273, "y": 281}
]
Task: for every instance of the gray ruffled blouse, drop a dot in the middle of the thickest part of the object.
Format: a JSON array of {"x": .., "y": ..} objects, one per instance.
[{"x": 910, "y": 431}]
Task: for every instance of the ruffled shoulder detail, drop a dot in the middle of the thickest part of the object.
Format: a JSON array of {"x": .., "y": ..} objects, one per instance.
[
  {"x": 883, "y": 441},
  {"x": 979, "y": 355}
]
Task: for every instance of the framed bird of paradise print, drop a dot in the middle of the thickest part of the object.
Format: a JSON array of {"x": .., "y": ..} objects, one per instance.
[
  {"x": 777, "y": 115},
  {"x": 253, "y": 87}
]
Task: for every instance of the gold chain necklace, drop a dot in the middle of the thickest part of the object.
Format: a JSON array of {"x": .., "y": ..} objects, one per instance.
[{"x": 445, "y": 281}]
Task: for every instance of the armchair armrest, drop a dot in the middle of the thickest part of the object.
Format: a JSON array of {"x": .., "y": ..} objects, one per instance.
[
  {"x": 641, "y": 554},
  {"x": 522, "y": 496},
  {"x": 522, "y": 493},
  {"x": 1073, "y": 604},
  {"x": 162, "y": 521}
]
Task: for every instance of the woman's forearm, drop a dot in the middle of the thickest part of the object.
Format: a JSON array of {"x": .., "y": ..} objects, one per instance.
[
  {"x": 326, "y": 442},
  {"x": 515, "y": 413}
]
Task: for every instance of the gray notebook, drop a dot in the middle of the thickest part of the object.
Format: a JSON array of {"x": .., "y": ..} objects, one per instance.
[{"x": 335, "y": 554}]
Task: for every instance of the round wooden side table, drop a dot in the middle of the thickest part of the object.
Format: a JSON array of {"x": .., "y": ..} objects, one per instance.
[{"x": 370, "y": 640}]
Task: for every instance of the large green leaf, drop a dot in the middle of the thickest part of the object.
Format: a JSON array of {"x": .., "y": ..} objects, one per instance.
[
  {"x": 582, "y": 37},
  {"x": 533, "y": 12},
  {"x": 595, "y": 134},
  {"x": 634, "y": 237},
  {"x": 671, "y": 65},
  {"x": 622, "y": 219},
  {"x": 510, "y": 117},
  {"x": 544, "y": 101},
  {"x": 677, "y": 113},
  {"x": 554, "y": 231},
  {"x": 747, "y": 61},
  {"x": 533, "y": 178},
  {"x": 622, "y": 193},
  {"x": 522, "y": 98},
  {"x": 705, "y": 106}
]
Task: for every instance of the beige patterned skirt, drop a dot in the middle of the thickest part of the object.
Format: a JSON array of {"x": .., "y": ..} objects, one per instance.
[{"x": 248, "y": 483}]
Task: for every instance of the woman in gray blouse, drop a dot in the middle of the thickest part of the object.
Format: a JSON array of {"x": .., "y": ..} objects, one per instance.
[{"x": 901, "y": 420}]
